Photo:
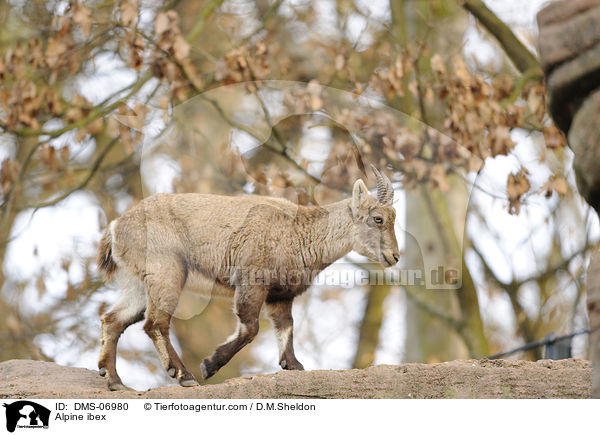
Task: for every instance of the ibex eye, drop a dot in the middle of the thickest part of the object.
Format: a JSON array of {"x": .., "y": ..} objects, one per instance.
[{"x": 378, "y": 220}]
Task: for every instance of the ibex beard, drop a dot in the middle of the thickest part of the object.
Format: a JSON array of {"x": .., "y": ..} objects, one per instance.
[{"x": 167, "y": 242}]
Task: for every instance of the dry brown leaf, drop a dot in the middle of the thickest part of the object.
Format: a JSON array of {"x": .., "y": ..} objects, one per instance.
[
  {"x": 438, "y": 177},
  {"x": 53, "y": 101},
  {"x": 437, "y": 64},
  {"x": 54, "y": 50},
  {"x": 517, "y": 185},
  {"x": 135, "y": 45},
  {"x": 461, "y": 71},
  {"x": 74, "y": 114},
  {"x": 112, "y": 126},
  {"x": 554, "y": 138},
  {"x": 474, "y": 164},
  {"x": 35, "y": 57},
  {"x": 96, "y": 126},
  {"x": 9, "y": 171},
  {"x": 81, "y": 134},
  {"x": 534, "y": 101},
  {"x": 500, "y": 140},
  {"x": 83, "y": 17},
  {"x": 162, "y": 23},
  {"x": 47, "y": 155},
  {"x": 556, "y": 184},
  {"x": 503, "y": 85},
  {"x": 129, "y": 12},
  {"x": 64, "y": 154},
  {"x": 163, "y": 102},
  {"x": 80, "y": 100},
  {"x": 315, "y": 102},
  {"x": 181, "y": 49},
  {"x": 416, "y": 167}
]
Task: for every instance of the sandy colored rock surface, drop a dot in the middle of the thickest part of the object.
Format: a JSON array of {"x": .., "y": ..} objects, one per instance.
[{"x": 455, "y": 379}]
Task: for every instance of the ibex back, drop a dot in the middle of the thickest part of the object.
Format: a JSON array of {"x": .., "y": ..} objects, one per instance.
[{"x": 259, "y": 250}]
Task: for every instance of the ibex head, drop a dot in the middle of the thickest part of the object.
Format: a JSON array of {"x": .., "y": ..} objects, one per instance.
[{"x": 374, "y": 221}]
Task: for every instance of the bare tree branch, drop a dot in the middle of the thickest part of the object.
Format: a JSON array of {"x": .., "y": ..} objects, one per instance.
[{"x": 523, "y": 59}]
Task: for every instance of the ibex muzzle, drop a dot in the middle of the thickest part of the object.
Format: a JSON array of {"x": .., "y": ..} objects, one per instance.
[{"x": 168, "y": 242}]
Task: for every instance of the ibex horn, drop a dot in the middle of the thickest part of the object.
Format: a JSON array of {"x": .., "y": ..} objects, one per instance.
[{"x": 385, "y": 190}]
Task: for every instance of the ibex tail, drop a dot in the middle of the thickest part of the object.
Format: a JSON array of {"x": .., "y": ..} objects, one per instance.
[{"x": 104, "y": 260}]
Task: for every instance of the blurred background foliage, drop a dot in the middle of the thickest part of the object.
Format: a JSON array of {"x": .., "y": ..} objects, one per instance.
[{"x": 84, "y": 85}]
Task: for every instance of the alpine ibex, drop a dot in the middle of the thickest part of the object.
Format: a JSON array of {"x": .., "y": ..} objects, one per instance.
[{"x": 157, "y": 247}]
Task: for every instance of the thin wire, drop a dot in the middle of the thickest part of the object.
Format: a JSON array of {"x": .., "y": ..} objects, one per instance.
[{"x": 532, "y": 345}]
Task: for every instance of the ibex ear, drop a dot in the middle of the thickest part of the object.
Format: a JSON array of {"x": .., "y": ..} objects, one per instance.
[{"x": 359, "y": 194}]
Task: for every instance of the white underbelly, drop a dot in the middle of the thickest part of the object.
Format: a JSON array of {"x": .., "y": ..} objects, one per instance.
[
  {"x": 197, "y": 293},
  {"x": 201, "y": 284}
]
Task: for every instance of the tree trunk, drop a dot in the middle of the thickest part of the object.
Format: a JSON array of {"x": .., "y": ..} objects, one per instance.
[
  {"x": 370, "y": 326},
  {"x": 569, "y": 47},
  {"x": 593, "y": 304}
]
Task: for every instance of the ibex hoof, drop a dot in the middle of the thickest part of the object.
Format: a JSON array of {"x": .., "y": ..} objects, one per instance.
[
  {"x": 188, "y": 382},
  {"x": 172, "y": 372},
  {"x": 102, "y": 371},
  {"x": 292, "y": 365},
  {"x": 205, "y": 371},
  {"x": 117, "y": 386}
]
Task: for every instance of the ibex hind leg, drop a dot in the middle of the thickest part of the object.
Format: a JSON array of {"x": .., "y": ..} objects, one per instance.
[
  {"x": 163, "y": 297},
  {"x": 128, "y": 310}
]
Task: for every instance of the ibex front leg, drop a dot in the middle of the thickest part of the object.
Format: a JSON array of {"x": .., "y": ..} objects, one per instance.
[
  {"x": 280, "y": 313},
  {"x": 247, "y": 303}
]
